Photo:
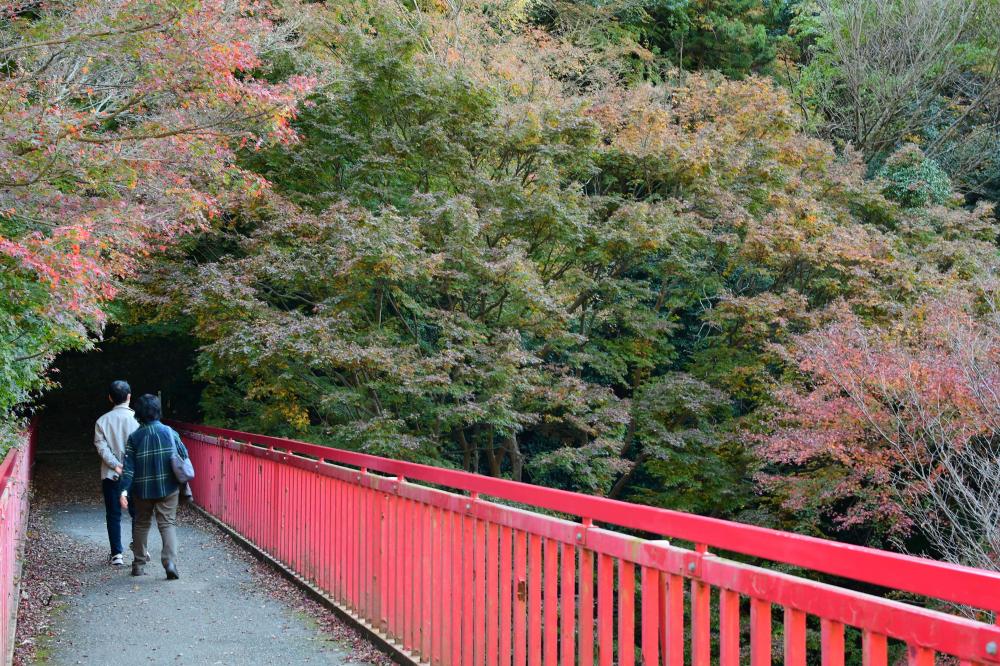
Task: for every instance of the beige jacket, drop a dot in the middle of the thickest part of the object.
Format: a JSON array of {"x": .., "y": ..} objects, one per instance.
[{"x": 110, "y": 435}]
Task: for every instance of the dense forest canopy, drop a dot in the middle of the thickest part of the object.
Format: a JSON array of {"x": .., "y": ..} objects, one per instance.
[{"x": 728, "y": 256}]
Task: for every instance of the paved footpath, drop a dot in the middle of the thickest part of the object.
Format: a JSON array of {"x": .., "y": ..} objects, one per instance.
[{"x": 215, "y": 613}]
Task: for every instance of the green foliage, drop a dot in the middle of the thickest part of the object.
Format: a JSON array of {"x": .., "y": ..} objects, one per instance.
[
  {"x": 502, "y": 258},
  {"x": 913, "y": 180},
  {"x": 682, "y": 457},
  {"x": 735, "y": 37},
  {"x": 731, "y": 36},
  {"x": 29, "y": 336},
  {"x": 881, "y": 74},
  {"x": 571, "y": 242},
  {"x": 118, "y": 125}
]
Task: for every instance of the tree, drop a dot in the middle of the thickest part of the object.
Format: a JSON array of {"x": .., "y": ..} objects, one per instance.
[
  {"x": 489, "y": 250},
  {"x": 882, "y": 73},
  {"x": 898, "y": 427},
  {"x": 649, "y": 38},
  {"x": 119, "y": 122}
]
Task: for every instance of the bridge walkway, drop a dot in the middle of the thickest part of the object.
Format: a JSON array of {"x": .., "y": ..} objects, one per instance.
[{"x": 219, "y": 612}]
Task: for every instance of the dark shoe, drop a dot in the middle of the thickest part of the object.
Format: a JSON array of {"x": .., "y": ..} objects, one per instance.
[
  {"x": 171, "y": 570},
  {"x": 138, "y": 569}
]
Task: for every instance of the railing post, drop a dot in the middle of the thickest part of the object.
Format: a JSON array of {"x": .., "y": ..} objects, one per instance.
[{"x": 701, "y": 637}]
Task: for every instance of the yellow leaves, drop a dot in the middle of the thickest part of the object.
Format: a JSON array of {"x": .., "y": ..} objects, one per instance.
[{"x": 295, "y": 415}]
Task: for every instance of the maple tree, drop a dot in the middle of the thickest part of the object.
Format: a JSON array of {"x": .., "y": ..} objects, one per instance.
[
  {"x": 119, "y": 122},
  {"x": 897, "y": 427}
]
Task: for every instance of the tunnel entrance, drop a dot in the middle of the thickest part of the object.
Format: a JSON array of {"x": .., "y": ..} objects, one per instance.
[{"x": 160, "y": 364}]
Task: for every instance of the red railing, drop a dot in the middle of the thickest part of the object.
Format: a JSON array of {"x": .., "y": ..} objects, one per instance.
[
  {"x": 457, "y": 579},
  {"x": 15, "y": 474}
]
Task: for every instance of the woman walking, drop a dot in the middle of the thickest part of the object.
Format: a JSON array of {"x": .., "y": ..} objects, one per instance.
[{"x": 148, "y": 479}]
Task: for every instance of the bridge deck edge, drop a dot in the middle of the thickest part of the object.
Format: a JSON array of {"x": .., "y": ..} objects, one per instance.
[{"x": 375, "y": 637}]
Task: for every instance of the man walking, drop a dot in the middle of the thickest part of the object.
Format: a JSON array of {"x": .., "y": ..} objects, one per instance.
[
  {"x": 110, "y": 435},
  {"x": 149, "y": 475}
]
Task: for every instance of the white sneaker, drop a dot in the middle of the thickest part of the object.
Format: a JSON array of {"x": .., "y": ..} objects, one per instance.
[{"x": 117, "y": 560}]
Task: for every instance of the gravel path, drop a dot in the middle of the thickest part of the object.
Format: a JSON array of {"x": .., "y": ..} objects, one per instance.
[{"x": 225, "y": 609}]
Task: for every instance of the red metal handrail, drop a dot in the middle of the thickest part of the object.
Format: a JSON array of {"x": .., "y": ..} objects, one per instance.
[
  {"x": 456, "y": 579},
  {"x": 931, "y": 578},
  {"x": 15, "y": 471}
]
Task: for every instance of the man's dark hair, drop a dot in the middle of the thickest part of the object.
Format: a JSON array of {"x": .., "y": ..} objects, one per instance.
[
  {"x": 147, "y": 409},
  {"x": 119, "y": 391}
]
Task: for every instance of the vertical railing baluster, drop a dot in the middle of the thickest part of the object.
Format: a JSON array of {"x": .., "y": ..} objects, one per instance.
[
  {"x": 760, "y": 632},
  {"x": 919, "y": 656},
  {"x": 427, "y": 590},
  {"x": 729, "y": 628},
  {"x": 586, "y": 612},
  {"x": 364, "y": 554},
  {"x": 409, "y": 594},
  {"x": 447, "y": 591},
  {"x": 795, "y": 637},
  {"x": 605, "y": 610},
  {"x": 874, "y": 649},
  {"x": 390, "y": 559},
  {"x": 550, "y": 580},
  {"x": 468, "y": 590},
  {"x": 701, "y": 623},
  {"x": 626, "y": 613},
  {"x": 505, "y": 592},
  {"x": 492, "y": 594},
  {"x": 832, "y": 640},
  {"x": 649, "y": 581},
  {"x": 534, "y": 600},
  {"x": 480, "y": 603},
  {"x": 456, "y": 589},
  {"x": 567, "y": 581},
  {"x": 673, "y": 652},
  {"x": 353, "y": 529},
  {"x": 438, "y": 574},
  {"x": 520, "y": 598}
]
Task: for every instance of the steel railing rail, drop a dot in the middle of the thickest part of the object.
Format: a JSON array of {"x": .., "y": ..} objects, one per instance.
[
  {"x": 456, "y": 579},
  {"x": 15, "y": 474}
]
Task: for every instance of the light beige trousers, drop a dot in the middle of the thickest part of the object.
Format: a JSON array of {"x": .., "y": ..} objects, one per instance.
[{"x": 165, "y": 510}]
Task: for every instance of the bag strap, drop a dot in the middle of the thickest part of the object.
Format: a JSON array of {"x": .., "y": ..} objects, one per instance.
[{"x": 177, "y": 445}]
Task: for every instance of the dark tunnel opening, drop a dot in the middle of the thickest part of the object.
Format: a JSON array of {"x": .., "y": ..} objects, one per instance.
[{"x": 155, "y": 364}]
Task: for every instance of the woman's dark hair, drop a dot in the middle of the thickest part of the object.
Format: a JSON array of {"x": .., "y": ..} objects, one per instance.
[
  {"x": 119, "y": 391},
  {"x": 147, "y": 409}
]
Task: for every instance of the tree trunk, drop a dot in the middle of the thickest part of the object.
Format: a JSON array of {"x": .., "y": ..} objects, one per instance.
[
  {"x": 466, "y": 449},
  {"x": 516, "y": 458},
  {"x": 625, "y": 478},
  {"x": 622, "y": 483},
  {"x": 491, "y": 455}
]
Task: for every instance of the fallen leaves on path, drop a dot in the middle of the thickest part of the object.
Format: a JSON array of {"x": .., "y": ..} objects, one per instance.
[
  {"x": 267, "y": 579},
  {"x": 52, "y": 566}
]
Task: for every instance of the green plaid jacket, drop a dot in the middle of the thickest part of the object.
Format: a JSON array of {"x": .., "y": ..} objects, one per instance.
[{"x": 147, "y": 472}]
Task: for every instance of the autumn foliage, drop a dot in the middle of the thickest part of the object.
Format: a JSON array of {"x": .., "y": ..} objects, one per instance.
[
  {"x": 118, "y": 121},
  {"x": 527, "y": 240},
  {"x": 897, "y": 426}
]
